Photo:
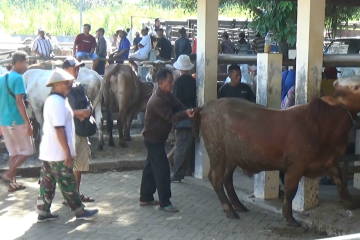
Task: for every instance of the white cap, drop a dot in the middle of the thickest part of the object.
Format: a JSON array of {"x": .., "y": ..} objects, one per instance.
[
  {"x": 183, "y": 63},
  {"x": 59, "y": 75},
  {"x": 41, "y": 29}
]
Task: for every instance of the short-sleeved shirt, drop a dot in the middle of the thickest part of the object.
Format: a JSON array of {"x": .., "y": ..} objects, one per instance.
[
  {"x": 146, "y": 42},
  {"x": 85, "y": 43},
  {"x": 9, "y": 112},
  {"x": 241, "y": 90},
  {"x": 259, "y": 44},
  {"x": 137, "y": 40},
  {"x": 57, "y": 114},
  {"x": 124, "y": 44},
  {"x": 227, "y": 47},
  {"x": 42, "y": 46},
  {"x": 165, "y": 46}
]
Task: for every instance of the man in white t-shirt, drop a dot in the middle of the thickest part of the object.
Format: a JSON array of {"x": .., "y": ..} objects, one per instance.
[
  {"x": 57, "y": 149},
  {"x": 145, "y": 47}
]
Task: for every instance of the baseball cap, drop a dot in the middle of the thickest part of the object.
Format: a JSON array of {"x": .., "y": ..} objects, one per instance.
[
  {"x": 72, "y": 62},
  {"x": 59, "y": 75},
  {"x": 41, "y": 29}
]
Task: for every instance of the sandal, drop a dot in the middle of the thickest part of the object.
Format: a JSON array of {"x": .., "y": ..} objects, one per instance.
[
  {"x": 169, "y": 208},
  {"x": 151, "y": 203},
  {"x": 86, "y": 198},
  {"x": 13, "y": 187}
]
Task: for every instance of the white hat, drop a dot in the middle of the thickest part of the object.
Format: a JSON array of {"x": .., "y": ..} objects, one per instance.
[
  {"x": 183, "y": 63},
  {"x": 59, "y": 75},
  {"x": 41, "y": 29}
]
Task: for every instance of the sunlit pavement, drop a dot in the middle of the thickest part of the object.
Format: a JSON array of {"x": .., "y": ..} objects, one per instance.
[{"x": 120, "y": 217}]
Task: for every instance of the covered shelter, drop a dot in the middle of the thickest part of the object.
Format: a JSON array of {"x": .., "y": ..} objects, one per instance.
[{"x": 309, "y": 63}]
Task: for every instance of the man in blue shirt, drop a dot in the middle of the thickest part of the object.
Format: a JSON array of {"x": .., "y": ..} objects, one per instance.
[
  {"x": 15, "y": 124},
  {"x": 122, "y": 53}
]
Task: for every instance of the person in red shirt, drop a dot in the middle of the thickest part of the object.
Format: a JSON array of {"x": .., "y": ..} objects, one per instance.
[{"x": 85, "y": 45}]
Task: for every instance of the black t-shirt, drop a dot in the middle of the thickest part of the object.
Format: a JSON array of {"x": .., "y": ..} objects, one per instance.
[
  {"x": 242, "y": 90},
  {"x": 165, "y": 46},
  {"x": 185, "y": 90}
]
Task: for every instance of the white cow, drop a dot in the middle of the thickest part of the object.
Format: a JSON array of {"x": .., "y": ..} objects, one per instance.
[{"x": 35, "y": 81}]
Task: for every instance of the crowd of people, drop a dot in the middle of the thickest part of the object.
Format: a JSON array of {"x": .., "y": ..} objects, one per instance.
[{"x": 65, "y": 152}]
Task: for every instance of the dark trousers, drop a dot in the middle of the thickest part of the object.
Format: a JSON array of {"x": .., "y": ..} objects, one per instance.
[
  {"x": 156, "y": 175},
  {"x": 183, "y": 152},
  {"x": 100, "y": 68}
]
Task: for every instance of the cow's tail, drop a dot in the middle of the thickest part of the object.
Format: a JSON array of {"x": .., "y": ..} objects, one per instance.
[
  {"x": 196, "y": 123},
  {"x": 107, "y": 98}
]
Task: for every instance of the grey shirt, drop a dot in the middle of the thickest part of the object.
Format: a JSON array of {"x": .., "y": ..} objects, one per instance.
[{"x": 101, "y": 47}]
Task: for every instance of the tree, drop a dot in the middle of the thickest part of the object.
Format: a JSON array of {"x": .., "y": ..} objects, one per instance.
[{"x": 336, "y": 15}]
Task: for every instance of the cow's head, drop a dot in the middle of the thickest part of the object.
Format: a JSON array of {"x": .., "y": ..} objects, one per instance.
[
  {"x": 347, "y": 92},
  {"x": 154, "y": 68}
]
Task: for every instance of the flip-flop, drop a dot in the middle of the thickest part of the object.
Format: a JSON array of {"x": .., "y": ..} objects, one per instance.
[
  {"x": 15, "y": 187},
  {"x": 170, "y": 208},
  {"x": 86, "y": 198},
  {"x": 152, "y": 203}
]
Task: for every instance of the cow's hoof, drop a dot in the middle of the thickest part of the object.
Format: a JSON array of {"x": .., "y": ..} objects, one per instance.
[
  {"x": 100, "y": 147},
  {"x": 232, "y": 215},
  {"x": 292, "y": 223},
  {"x": 128, "y": 139},
  {"x": 123, "y": 144},
  {"x": 111, "y": 143},
  {"x": 241, "y": 209}
]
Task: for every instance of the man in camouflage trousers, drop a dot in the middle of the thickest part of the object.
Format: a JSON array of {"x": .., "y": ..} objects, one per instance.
[{"x": 57, "y": 149}]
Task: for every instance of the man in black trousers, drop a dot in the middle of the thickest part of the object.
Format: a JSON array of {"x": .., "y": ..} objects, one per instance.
[{"x": 162, "y": 111}]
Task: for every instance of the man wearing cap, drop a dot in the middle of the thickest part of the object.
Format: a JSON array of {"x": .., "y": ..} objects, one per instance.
[
  {"x": 57, "y": 150},
  {"x": 185, "y": 91},
  {"x": 81, "y": 161},
  {"x": 101, "y": 50},
  {"x": 122, "y": 53},
  {"x": 42, "y": 46},
  {"x": 85, "y": 45},
  {"x": 144, "y": 48},
  {"x": 182, "y": 44}
]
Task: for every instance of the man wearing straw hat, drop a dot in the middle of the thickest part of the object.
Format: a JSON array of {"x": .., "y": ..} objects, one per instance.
[
  {"x": 185, "y": 91},
  {"x": 57, "y": 149},
  {"x": 122, "y": 54}
]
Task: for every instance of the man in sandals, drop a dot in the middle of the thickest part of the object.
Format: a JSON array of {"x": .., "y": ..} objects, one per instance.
[
  {"x": 57, "y": 150},
  {"x": 162, "y": 111},
  {"x": 15, "y": 124},
  {"x": 81, "y": 161}
]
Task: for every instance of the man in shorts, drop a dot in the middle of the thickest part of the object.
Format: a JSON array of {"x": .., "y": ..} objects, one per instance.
[
  {"x": 85, "y": 46},
  {"x": 15, "y": 124},
  {"x": 81, "y": 161}
]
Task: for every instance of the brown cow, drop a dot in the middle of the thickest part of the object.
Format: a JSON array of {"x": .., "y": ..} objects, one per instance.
[
  {"x": 126, "y": 93},
  {"x": 304, "y": 140},
  {"x": 47, "y": 65}
]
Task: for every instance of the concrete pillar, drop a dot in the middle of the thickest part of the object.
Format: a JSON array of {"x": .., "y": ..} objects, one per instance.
[
  {"x": 206, "y": 69},
  {"x": 309, "y": 61},
  {"x": 268, "y": 91},
  {"x": 357, "y": 163}
]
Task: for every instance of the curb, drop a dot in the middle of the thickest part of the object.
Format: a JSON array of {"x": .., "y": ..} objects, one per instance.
[{"x": 121, "y": 165}]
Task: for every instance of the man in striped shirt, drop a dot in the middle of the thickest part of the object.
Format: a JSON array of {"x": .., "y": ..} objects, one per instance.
[
  {"x": 42, "y": 46},
  {"x": 258, "y": 43}
]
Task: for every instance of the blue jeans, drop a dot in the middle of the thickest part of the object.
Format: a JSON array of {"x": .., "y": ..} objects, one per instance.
[{"x": 85, "y": 55}]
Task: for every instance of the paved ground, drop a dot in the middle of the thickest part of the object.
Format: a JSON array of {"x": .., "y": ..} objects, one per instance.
[{"x": 120, "y": 217}]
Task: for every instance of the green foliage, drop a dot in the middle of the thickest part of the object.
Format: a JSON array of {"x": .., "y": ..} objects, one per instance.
[
  {"x": 278, "y": 17},
  {"x": 336, "y": 15}
]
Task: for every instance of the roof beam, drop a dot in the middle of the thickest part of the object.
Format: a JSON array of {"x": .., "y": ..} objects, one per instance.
[{"x": 336, "y": 2}]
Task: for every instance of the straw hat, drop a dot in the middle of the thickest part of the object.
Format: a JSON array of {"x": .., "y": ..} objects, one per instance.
[
  {"x": 59, "y": 75},
  {"x": 183, "y": 63}
]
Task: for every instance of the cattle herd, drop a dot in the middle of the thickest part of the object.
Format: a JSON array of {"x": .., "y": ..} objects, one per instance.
[{"x": 305, "y": 140}]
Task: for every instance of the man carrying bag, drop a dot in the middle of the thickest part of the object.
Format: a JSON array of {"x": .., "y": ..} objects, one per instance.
[{"x": 84, "y": 123}]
